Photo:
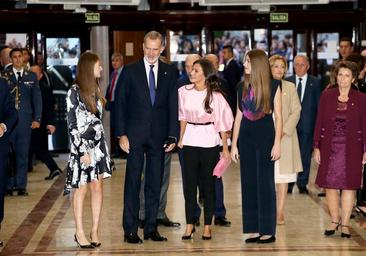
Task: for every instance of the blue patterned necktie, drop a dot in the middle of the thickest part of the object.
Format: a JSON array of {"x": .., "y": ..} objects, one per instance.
[{"x": 152, "y": 84}]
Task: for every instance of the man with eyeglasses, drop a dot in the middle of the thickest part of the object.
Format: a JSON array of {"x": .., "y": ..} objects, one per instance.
[{"x": 309, "y": 90}]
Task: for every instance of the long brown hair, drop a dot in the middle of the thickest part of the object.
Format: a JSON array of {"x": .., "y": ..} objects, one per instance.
[
  {"x": 259, "y": 79},
  {"x": 89, "y": 84},
  {"x": 211, "y": 80}
]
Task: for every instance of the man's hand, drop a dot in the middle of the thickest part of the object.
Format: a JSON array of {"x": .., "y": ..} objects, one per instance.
[
  {"x": 35, "y": 125},
  {"x": 51, "y": 129},
  {"x": 124, "y": 144},
  {"x": 170, "y": 147},
  {"x": 169, "y": 144}
]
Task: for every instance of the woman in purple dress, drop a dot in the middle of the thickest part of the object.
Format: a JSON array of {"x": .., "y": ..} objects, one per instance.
[{"x": 340, "y": 145}]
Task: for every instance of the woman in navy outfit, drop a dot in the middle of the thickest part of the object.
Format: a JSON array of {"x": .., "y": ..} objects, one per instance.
[{"x": 258, "y": 138}]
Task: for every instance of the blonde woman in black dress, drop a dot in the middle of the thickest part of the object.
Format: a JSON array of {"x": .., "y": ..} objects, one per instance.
[{"x": 89, "y": 160}]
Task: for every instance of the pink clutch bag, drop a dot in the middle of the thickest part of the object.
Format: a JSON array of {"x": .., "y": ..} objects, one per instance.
[{"x": 221, "y": 166}]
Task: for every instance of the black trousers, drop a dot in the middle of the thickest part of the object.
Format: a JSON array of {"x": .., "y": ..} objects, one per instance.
[
  {"x": 39, "y": 147},
  {"x": 154, "y": 153},
  {"x": 198, "y": 169},
  {"x": 256, "y": 139}
]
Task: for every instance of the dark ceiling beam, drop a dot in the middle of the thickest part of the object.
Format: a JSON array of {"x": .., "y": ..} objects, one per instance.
[{"x": 184, "y": 19}]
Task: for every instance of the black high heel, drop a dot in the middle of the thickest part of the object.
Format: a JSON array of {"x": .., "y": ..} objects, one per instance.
[
  {"x": 345, "y": 235},
  {"x": 330, "y": 232},
  {"x": 83, "y": 246},
  {"x": 95, "y": 244},
  {"x": 207, "y": 237},
  {"x": 190, "y": 236}
]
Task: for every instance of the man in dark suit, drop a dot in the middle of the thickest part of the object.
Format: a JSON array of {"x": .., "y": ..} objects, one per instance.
[
  {"x": 232, "y": 73},
  {"x": 220, "y": 209},
  {"x": 114, "y": 82},
  {"x": 39, "y": 139},
  {"x": 309, "y": 90},
  {"x": 345, "y": 47},
  {"x": 146, "y": 122},
  {"x": 8, "y": 117}
]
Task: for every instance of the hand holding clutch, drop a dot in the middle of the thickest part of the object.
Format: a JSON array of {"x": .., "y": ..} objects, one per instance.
[{"x": 221, "y": 166}]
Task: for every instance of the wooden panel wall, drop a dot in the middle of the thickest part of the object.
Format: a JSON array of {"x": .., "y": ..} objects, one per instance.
[{"x": 131, "y": 39}]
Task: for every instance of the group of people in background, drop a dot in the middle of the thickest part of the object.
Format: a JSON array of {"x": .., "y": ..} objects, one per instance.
[
  {"x": 27, "y": 117},
  {"x": 272, "y": 124}
]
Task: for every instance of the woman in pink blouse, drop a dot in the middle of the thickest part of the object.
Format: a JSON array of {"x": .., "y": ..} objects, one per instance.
[{"x": 204, "y": 116}]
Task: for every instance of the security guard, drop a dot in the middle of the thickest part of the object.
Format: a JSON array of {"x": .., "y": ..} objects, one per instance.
[{"x": 25, "y": 92}]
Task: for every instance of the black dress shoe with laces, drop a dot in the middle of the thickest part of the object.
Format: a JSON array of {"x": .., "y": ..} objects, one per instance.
[
  {"x": 222, "y": 221},
  {"x": 133, "y": 238},
  {"x": 53, "y": 174},
  {"x": 155, "y": 236},
  {"x": 167, "y": 222},
  {"x": 22, "y": 192}
]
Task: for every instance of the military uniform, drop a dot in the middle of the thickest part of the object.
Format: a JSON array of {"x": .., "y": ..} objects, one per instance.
[{"x": 28, "y": 101}]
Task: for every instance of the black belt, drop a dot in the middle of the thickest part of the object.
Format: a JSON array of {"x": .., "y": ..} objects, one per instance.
[{"x": 208, "y": 123}]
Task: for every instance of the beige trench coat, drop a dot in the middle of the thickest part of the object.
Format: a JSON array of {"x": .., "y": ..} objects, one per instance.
[{"x": 290, "y": 160}]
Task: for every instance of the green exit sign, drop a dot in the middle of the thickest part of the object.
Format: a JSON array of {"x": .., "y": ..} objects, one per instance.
[
  {"x": 277, "y": 17},
  {"x": 92, "y": 17}
]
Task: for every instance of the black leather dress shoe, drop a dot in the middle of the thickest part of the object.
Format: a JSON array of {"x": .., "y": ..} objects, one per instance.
[
  {"x": 303, "y": 190},
  {"x": 22, "y": 192},
  {"x": 222, "y": 221},
  {"x": 133, "y": 238},
  {"x": 155, "y": 236},
  {"x": 167, "y": 222}
]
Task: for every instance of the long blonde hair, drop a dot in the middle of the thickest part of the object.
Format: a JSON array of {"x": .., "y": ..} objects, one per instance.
[
  {"x": 259, "y": 79},
  {"x": 87, "y": 82}
]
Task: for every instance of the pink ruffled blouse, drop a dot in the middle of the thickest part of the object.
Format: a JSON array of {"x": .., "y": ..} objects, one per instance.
[{"x": 191, "y": 109}]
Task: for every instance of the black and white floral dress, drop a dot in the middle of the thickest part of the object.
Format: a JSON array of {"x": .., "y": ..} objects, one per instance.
[{"x": 86, "y": 136}]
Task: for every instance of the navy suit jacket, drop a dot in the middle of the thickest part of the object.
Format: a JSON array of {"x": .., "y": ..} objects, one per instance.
[
  {"x": 233, "y": 73},
  {"x": 135, "y": 115},
  {"x": 309, "y": 104},
  {"x": 8, "y": 113},
  {"x": 30, "y": 103}
]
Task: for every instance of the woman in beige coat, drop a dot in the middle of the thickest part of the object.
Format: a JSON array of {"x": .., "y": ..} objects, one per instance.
[{"x": 287, "y": 167}]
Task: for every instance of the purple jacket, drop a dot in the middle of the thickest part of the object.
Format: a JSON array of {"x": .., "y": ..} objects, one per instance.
[{"x": 355, "y": 134}]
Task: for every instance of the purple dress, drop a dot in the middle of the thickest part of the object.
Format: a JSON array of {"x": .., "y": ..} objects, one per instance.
[{"x": 336, "y": 176}]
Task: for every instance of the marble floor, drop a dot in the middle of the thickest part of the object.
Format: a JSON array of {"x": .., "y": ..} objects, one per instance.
[{"x": 42, "y": 223}]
